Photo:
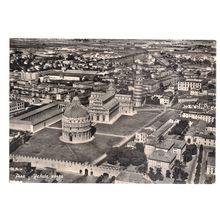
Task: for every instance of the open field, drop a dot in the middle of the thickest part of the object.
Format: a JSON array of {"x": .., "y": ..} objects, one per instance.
[
  {"x": 46, "y": 143},
  {"x": 126, "y": 125}
]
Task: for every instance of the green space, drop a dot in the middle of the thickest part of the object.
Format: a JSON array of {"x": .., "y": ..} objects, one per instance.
[
  {"x": 46, "y": 143},
  {"x": 126, "y": 125}
]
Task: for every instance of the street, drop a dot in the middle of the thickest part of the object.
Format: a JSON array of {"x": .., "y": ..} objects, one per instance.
[{"x": 190, "y": 168}]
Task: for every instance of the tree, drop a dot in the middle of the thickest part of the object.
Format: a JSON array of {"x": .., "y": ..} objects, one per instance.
[
  {"x": 187, "y": 156},
  {"x": 161, "y": 86},
  {"x": 112, "y": 161},
  {"x": 192, "y": 148},
  {"x": 99, "y": 179},
  {"x": 137, "y": 158},
  {"x": 184, "y": 175},
  {"x": 124, "y": 161},
  {"x": 177, "y": 163},
  {"x": 168, "y": 174},
  {"x": 152, "y": 174},
  {"x": 158, "y": 174},
  {"x": 143, "y": 168},
  {"x": 112, "y": 179},
  {"x": 140, "y": 147},
  {"x": 198, "y": 73},
  {"x": 176, "y": 173}
]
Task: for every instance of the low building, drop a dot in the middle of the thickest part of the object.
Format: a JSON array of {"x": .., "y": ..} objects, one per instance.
[
  {"x": 190, "y": 84},
  {"x": 166, "y": 99},
  {"x": 142, "y": 135},
  {"x": 161, "y": 159},
  {"x": 210, "y": 170},
  {"x": 197, "y": 127},
  {"x": 205, "y": 140},
  {"x": 187, "y": 99},
  {"x": 198, "y": 92},
  {"x": 165, "y": 145},
  {"x": 37, "y": 119},
  {"x": 198, "y": 115},
  {"x": 16, "y": 106},
  {"x": 68, "y": 75},
  {"x": 198, "y": 134},
  {"x": 28, "y": 76},
  {"x": 178, "y": 148},
  {"x": 212, "y": 92},
  {"x": 131, "y": 177},
  {"x": 210, "y": 128},
  {"x": 151, "y": 85}
]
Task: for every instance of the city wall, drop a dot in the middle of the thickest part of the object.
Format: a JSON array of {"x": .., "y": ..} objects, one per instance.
[{"x": 66, "y": 166}]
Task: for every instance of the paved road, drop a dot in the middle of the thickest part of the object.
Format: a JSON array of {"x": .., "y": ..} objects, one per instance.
[
  {"x": 191, "y": 167},
  {"x": 110, "y": 135},
  {"x": 149, "y": 110},
  {"x": 54, "y": 128},
  {"x": 203, "y": 166}
]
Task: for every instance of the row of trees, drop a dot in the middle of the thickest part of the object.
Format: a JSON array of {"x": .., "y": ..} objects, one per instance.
[
  {"x": 198, "y": 167},
  {"x": 154, "y": 101},
  {"x": 178, "y": 174},
  {"x": 126, "y": 157},
  {"x": 179, "y": 128},
  {"x": 104, "y": 178},
  {"x": 157, "y": 175},
  {"x": 189, "y": 152}
]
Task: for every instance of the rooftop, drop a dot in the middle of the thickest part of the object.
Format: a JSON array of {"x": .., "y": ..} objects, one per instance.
[
  {"x": 211, "y": 161},
  {"x": 69, "y": 72},
  {"x": 179, "y": 144},
  {"x": 162, "y": 156},
  {"x": 131, "y": 177},
  {"x": 166, "y": 144},
  {"x": 36, "y": 111},
  {"x": 198, "y": 127},
  {"x": 75, "y": 109}
]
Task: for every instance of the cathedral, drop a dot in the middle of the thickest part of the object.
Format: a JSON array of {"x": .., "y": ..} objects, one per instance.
[
  {"x": 76, "y": 123},
  {"x": 107, "y": 107}
]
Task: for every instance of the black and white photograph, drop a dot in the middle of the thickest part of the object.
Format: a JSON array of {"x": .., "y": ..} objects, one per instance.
[
  {"x": 112, "y": 111},
  {"x": 109, "y": 109}
]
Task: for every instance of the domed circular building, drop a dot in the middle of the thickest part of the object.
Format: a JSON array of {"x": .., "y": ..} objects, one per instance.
[{"x": 76, "y": 124}]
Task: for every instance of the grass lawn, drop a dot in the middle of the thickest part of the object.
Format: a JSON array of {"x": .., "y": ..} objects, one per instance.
[
  {"x": 126, "y": 125},
  {"x": 46, "y": 143}
]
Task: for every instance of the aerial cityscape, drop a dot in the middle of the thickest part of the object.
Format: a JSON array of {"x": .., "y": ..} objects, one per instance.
[{"x": 112, "y": 111}]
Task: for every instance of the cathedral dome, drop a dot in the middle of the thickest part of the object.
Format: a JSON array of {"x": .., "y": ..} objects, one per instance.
[{"x": 75, "y": 109}]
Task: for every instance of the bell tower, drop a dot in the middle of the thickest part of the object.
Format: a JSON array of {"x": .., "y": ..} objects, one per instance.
[{"x": 138, "y": 88}]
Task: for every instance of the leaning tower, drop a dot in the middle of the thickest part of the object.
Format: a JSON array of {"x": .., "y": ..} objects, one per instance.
[{"x": 138, "y": 89}]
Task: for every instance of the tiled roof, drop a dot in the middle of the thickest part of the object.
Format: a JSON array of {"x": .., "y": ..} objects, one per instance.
[
  {"x": 160, "y": 155},
  {"x": 131, "y": 177}
]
